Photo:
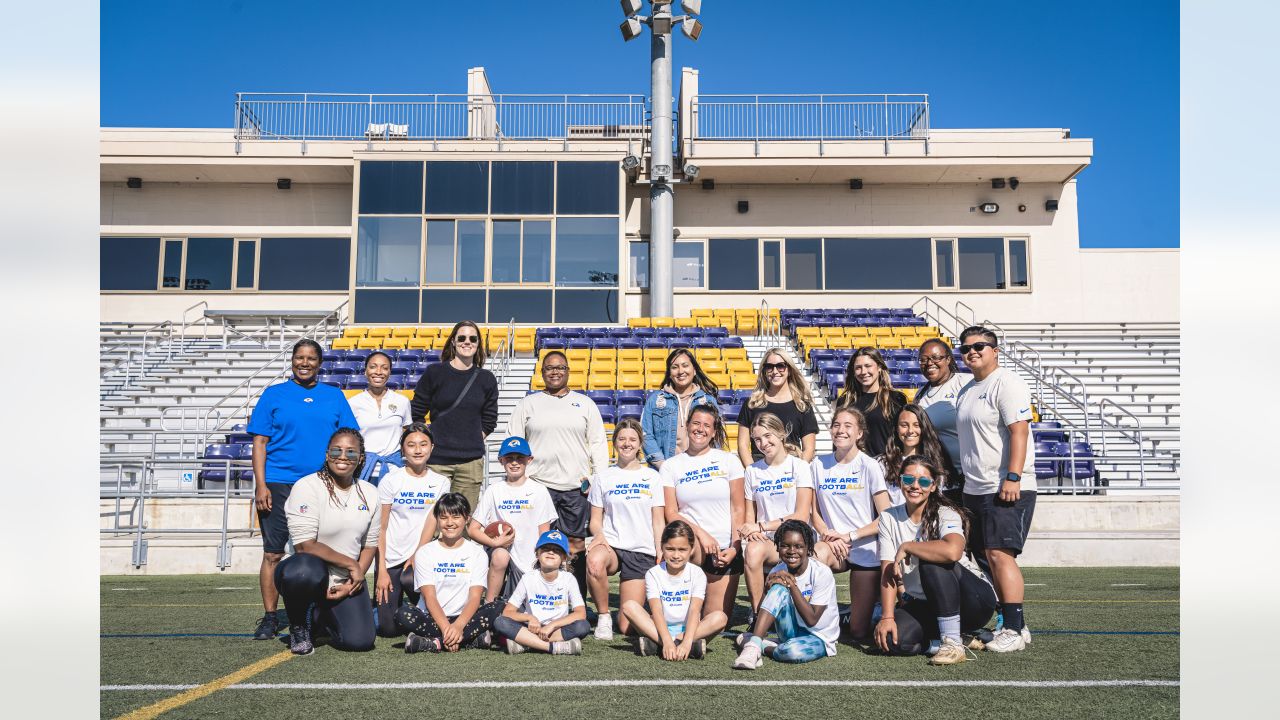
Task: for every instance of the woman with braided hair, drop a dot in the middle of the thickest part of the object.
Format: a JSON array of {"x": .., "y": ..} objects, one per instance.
[{"x": 334, "y": 525}]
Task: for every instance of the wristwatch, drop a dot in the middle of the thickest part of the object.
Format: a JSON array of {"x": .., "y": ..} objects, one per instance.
[{"x": 1013, "y": 477}]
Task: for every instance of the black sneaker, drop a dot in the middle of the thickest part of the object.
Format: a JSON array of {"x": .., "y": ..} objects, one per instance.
[
  {"x": 483, "y": 641},
  {"x": 300, "y": 640},
  {"x": 267, "y": 628},
  {"x": 418, "y": 643},
  {"x": 698, "y": 650},
  {"x": 647, "y": 648}
]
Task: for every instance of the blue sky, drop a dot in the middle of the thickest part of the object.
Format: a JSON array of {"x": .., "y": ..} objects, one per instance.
[{"x": 1106, "y": 70}]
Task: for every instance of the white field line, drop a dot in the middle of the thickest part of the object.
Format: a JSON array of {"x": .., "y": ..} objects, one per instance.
[
  {"x": 665, "y": 683},
  {"x": 1128, "y": 584},
  {"x": 128, "y": 589},
  {"x": 1033, "y": 584}
]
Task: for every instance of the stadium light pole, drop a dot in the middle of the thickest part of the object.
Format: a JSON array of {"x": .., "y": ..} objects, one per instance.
[{"x": 661, "y": 167}]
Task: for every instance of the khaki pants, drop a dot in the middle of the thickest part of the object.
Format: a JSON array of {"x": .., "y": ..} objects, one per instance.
[{"x": 466, "y": 478}]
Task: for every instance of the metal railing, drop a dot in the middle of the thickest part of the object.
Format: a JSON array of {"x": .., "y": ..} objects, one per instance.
[
  {"x": 824, "y": 118},
  {"x": 342, "y": 116}
]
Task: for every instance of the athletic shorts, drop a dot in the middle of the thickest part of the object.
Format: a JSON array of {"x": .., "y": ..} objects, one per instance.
[
  {"x": 864, "y": 568},
  {"x": 275, "y": 524},
  {"x": 633, "y": 565},
  {"x": 513, "y": 576},
  {"x": 733, "y": 568},
  {"x": 574, "y": 512},
  {"x": 999, "y": 525}
]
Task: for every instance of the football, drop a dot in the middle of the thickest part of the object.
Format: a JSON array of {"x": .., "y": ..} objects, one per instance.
[{"x": 498, "y": 527}]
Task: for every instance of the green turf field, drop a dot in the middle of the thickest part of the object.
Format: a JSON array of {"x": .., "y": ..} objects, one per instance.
[{"x": 1092, "y": 626}]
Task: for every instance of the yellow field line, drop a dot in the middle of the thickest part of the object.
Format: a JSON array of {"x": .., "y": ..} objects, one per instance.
[{"x": 183, "y": 698}]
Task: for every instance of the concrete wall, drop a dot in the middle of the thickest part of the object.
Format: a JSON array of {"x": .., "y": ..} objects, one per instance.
[{"x": 223, "y": 204}]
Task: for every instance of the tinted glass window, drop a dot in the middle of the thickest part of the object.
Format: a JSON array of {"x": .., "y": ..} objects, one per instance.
[
  {"x": 470, "y": 251},
  {"x": 587, "y": 188},
  {"x": 246, "y": 263},
  {"x": 586, "y": 306},
  {"x": 388, "y": 251},
  {"x": 522, "y": 188},
  {"x": 386, "y": 306},
  {"x": 772, "y": 256},
  {"x": 734, "y": 264},
  {"x": 879, "y": 264},
  {"x": 128, "y": 263},
  {"x": 586, "y": 251},
  {"x": 804, "y": 264},
  {"x": 460, "y": 188},
  {"x": 440, "y": 251},
  {"x": 982, "y": 263},
  {"x": 536, "y": 253},
  {"x": 944, "y": 258},
  {"x": 450, "y": 306},
  {"x": 1018, "y": 263},
  {"x": 209, "y": 263},
  {"x": 391, "y": 188},
  {"x": 172, "y": 275},
  {"x": 638, "y": 264},
  {"x": 526, "y": 306},
  {"x": 304, "y": 264},
  {"x": 506, "y": 251},
  {"x": 687, "y": 261}
]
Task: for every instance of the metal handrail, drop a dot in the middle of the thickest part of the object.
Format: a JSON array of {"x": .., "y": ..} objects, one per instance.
[
  {"x": 824, "y": 118},
  {"x": 1142, "y": 474}
]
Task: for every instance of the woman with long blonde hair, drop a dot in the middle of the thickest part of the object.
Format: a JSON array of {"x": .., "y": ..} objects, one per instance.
[{"x": 783, "y": 392}]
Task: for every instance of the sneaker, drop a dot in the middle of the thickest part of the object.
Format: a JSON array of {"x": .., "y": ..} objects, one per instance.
[
  {"x": 647, "y": 648},
  {"x": 417, "y": 643},
  {"x": 974, "y": 643},
  {"x": 1006, "y": 641},
  {"x": 749, "y": 658},
  {"x": 483, "y": 641},
  {"x": 512, "y": 647},
  {"x": 949, "y": 652},
  {"x": 300, "y": 640},
  {"x": 741, "y": 640},
  {"x": 1026, "y": 634},
  {"x": 698, "y": 650},
  {"x": 267, "y": 628},
  {"x": 567, "y": 647},
  {"x": 604, "y": 627}
]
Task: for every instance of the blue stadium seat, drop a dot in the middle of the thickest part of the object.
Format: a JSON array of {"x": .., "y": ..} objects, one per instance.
[
  {"x": 601, "y": 397},
  {"x": 409, "y": 357},
  {"x": 338, "y": 381},
  {"x": 358, "y": 356},
  {"x": 630, "y": 395},
  {"x": 607, "y": 414},
  {"x": 629, "y": 411},
  {"x": 217, "y": 472},
  {"x": 654, "y": 342},
  {"x": 628, "y": 343},
  {"x": 730, "y": 412}
]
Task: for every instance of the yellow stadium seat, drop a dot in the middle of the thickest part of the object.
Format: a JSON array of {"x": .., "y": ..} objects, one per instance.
[
  {"x": 910, "y": 393},
  {"x": 439, "y": 342},
  {"x": 721, "y": 379},
  {"x": 803, "y": 333},
  {"x": 653, "y": 380},
  {"x": 712, "y": 367},
  {"x": 880, "y": 332},
  {"x": 686, "y": 322},
  {"x": 743, "y": 381},
  {"x": 536, "y": 382},
  {"x": 705, "y": 354},
  {"x": 839, "y": 343},
  {"x": 832, "y": 332},
  {"x": 904, "y": 331},
  {"x": 630, "y": 381},
  {"x": 379, "y": 332},
  {"x": 355, "y": 332},
  {"x": 578, "y": 356},
  {"x": 661, "y": 322},
  {"x": 928, "y": 332},
  {"x": 524, "y": 344},
  {"x": 344, "y": 343},
  {"x": 889, "y": 343},
  {"x": 419, "y": 343},
  {"x": 739, "y": 367},
  {"x": 630, "y": 354},
  {"x": 912, "y": 342},
  {"x": 746, "y": 312},
  {"x": 395, "y": 343},
  {"x": 428, "y": 332},
  {"x": 658, "y": 355},
  {"x": 544, "y": 351},
  {"x": 604, "y": 354},
  {"x": 369, "y": 344},
  {"x": 728, "y": 354},
  {"x": 603, "y": 366},
  {"x": 351, "y": 393},
  {"x": 748, "y": 325},
  {"x": 655, "y": 367},
  {"x": 857, "y": 333},
  {"x": 404, "y": 332},
  {"x": 577, "y": 381},
  {"x": 602, "y": 381},
  {"x": 702, "y": 312},
  {"x": 705, "y": 322},
  {"x": 631, "y": 366},
  {"x": 636, "y": 322}
]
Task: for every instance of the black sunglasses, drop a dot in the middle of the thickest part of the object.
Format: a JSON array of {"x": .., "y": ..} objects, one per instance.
[
  {"x": 769, "y": 367},
  {"x": 466, "y": 338},
  {"x": 976, "y": 347}
]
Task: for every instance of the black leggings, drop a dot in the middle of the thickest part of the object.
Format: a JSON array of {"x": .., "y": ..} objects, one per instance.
[
  {"x": 949, "y": 589},
  {"x": 302, "y": 580},
  {"x": 509, "y": 628},
  {"x": 387, "y": 626},
  {"x": 414, "y": 620}
]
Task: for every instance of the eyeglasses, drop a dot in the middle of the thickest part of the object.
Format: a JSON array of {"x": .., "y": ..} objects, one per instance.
[
  {"x": 976, "y": 347},
  {"x": 932, "y": 359},
  {"x": 774, "y": 367},
  {"x": 923, "y": 481},
  {"x": 466, "y": 338},
  {"x": 555, "y": 368},
  {"x": 338, "y": 453}
]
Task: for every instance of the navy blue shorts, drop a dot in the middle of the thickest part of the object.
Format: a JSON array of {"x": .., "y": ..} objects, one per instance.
[
  {"x": 999, "y": 525},
  {"x": 633, "y": 565},
  {"x": 275, "y": 524}
]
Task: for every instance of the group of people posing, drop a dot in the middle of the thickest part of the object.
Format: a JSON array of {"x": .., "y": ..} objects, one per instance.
[{"x": 926, "y": 505}]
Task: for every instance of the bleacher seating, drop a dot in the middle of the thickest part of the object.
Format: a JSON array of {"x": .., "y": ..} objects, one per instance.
[{"x": 634, "y": 358}]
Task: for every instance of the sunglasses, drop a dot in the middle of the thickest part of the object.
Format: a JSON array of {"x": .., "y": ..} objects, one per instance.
[
  {"x": 976, "y": 347},
  {"x": 771, "y": 367},
  {"x": 466, "y": 338},
  {"x": 923, "y": 481},
  {"x": 338, "y": 453}
]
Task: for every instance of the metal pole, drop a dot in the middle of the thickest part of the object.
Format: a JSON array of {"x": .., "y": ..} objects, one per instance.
[{"x": 661, "y": 197}]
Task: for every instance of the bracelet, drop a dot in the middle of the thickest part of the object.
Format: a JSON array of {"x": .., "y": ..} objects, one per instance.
[{"x": 886, "y": 617}]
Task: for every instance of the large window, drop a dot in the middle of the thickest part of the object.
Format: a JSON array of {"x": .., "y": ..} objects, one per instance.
[
  {"x": 982, "y": 264},
  {"x": 944, "y": 259},
  {"x": 208, "y": 263},
  {"x": 171, "y": 274},
  {"x": 879, "y": 264},
  {"x": 455, "y": 251},
  {"x": 521, "y": 251},
  {"x": 771, "y": 270},
  {"x": 587, "y": 306},
  {"x": 304, "y": 264},
  {"x": 525, "y": 306},
  {"x": 390, "y": 188},
  {"x": 246, "y": 264},
  {"x": 734, "y": 264},
  {"x": 804, "y": 263},
  {"x": 522, "y": 188},
  {"x": 1018, "y": 263},
  {"x": 586, "y": 252},
  {"x": 452, "y": 305},
  {"x": 386, "y": 306},
  {"x": 388, "y": 251},
  {"x": 587, "y": 188},
  {"x": 128, "y": 263},
  {"x": 687, "y": 259},
  {"x": 457, "y": 188}
]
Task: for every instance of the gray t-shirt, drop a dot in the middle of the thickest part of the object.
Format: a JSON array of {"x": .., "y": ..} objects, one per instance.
[
  {"x": 984, "y": 411},
  {"x": 939, "y": 404},
  {"x": 896, "y": 528}
]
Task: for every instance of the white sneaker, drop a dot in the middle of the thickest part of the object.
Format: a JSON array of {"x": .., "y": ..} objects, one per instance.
[
  {"x": 749, "y": 658},
  {"x": 741, "y": 640},
  {"x": 604, "y": 627},
  {"x": 512, "y": 647},
  {"x": 1006, "y": 641},
  {"x": 567, "y": 647},
  {"x": 949, "y": 653},
  {"x": 1026, "y": 634}
]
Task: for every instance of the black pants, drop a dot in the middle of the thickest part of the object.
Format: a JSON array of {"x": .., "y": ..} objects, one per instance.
[
  {"x": 949, "y": 589},
  {"x": 302, "y": 580},
  {"x": 509, "y": 628},
  {"x": 401, "y": 587},
  {"x": 419, "y": 622}
]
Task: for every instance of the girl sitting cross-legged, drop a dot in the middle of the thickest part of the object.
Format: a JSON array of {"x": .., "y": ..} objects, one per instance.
[
  {"x": 546, "y": 611},
  {"x": 673, "y": 626}
]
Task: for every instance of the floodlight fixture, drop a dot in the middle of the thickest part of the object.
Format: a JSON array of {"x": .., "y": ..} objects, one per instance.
[
  {"x": 691, "y": 28},
  {"x": 691, "y": 172},
  {"x": 693, "y": 7},
  {"x": 630, "y": 162},
  {"x": 989, "y": 208},
  {"x": 661, "y": 24},
  {"x": 661, "y": 173},
  {"x": 630, "y": 28},
  {"x": 630, "y": 7}
]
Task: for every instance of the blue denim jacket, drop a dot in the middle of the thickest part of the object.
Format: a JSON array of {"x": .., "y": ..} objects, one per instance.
[{"x": 660, "y": 423}]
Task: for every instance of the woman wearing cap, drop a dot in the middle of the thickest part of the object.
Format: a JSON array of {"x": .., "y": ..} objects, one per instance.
[
  {"x": 663, "y": 419},
  {"x": 459, "y": 389},
  {"x": 291, "y": 425},
  {"x": 783, "y": 392},
  {"x": 546, "y": 611},
  {"x": 382, "y": 413}
]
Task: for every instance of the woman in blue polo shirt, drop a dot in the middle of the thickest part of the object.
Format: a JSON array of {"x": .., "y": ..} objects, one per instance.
[{"x": 291, "y": 425}]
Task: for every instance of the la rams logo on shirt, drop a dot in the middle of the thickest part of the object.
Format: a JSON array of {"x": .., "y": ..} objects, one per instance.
[
  {"x": 307, "y": 399},
  {"x": 362, "y": 507}
]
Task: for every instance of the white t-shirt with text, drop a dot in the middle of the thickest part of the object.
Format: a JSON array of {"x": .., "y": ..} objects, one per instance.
[
  {"x": 818, "y": 587},
  {"x": 525, "y": 506},
  {"x": 627, "y": 498},
  {"x": 545, "y": 600},
  {"x": 844, "y": 499},
  {"x": 676, "y": 592},
  {"x": 896, "y": 528},
  {"x": 411, "y": 500},
  {"x": 452, "y": 571},
  {"x": 702, "y": 488},
  {"x": 773, "y": 489},
  {"x": 939, "y": 404},
  {"x": 381, "y": 424},
  {"x": 344, "y": 522},
  {"x": 984, "y": 411}
]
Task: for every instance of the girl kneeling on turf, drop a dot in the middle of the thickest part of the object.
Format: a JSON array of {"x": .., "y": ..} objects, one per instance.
[
  {"x": 778, "y": 487},
  {"x": 800, "y": 605},
  {"x": 626, "y": 523},
  {"x": 674, "y": 626},
  {"x": 451, "y": 574},
  {"x": 546, "y": 611},
  {"x": 929, "y": 589}
]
